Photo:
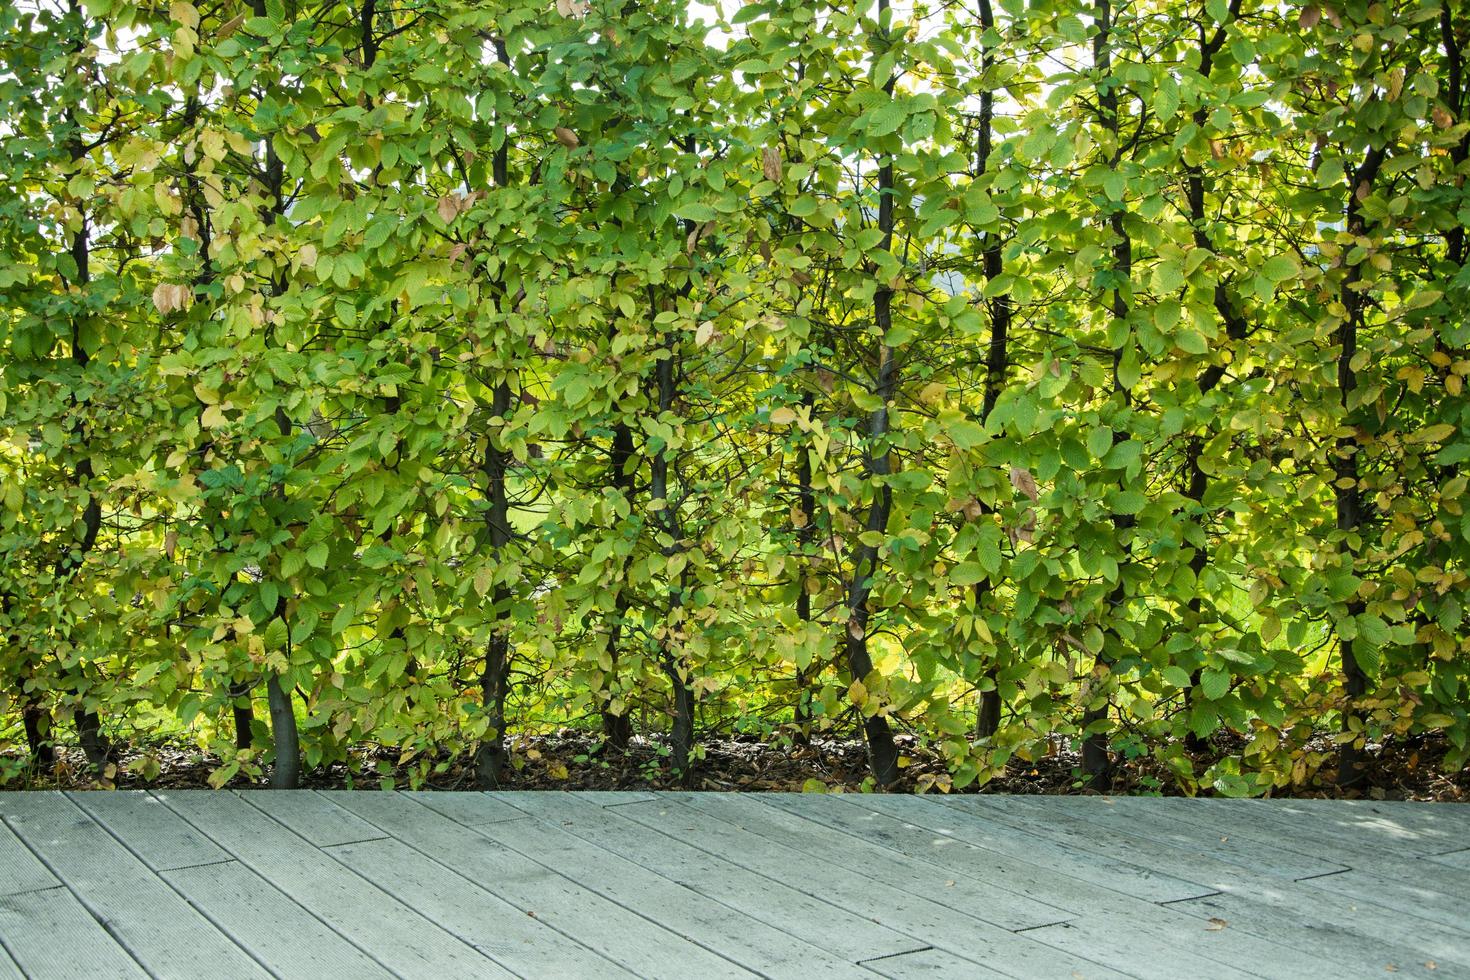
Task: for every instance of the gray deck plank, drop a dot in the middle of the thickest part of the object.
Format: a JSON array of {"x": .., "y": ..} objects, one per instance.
[
  {"x": 991, "y": 900},
  {"x": 1412, "y": 824},
  {"x": 150, "y": 830},
  {"x": 868, "y": 898},
  {"x": 1442, "y": 904},
  {"x": 1432, "y": 904},
  {"x": 1104, "y": 842},
  {"x": 1363, "y": 934},
  {"x": 750, "y": 942},
  {"x": 290, "y": 941},
  {"x": 312, "y": 816},
  {"x": 1430, "y": 893},
  {"x": 1170, "y": 844},
  {"x": 363, "y": 884},
  {"x": 621, "y": 830},
  {"x": 20, "y": 871},
  {"x": 1123, "y": 876},
  {"x": 158, "y": 927},
  {"x": 623, "y": 936},
  {"x": 1110, "y": 939},
  {"x": 955, "y": 856},
  {"x": 1369, "y": 854},
  {"x": 470, "y": 809},
  {"x": 1156, "y": 931},
  {"x": 927, "y": 963},
  {"x": 1274, "y": 901},
  {"x": 1287, "y": 824},
  {"x": 520, "y": 943},
  {"x": 393, "y": 934},
  {"x": 51, "y": 936},
  {"x": 1454, "y": 859}
]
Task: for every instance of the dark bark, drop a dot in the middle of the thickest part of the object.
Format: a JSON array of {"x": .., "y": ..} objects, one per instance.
[
  {"x": 286, "y": 772},
  {"x": 666, "y": 517},
  {"x": 1345, "y": 468},
  {"x": 987, "y": 715},
  {"x": 41, "y": 752},
  {"x": 241, "y": 710},
  {"x": 618, "y": 728},
  {"x": 1097, "y": 762},
  {"x": 805, "y": 535},
  {"x": 882, "y": 751},
  {"x": 1235, "y": 329},
  {"x": 494, "y": 680},
  {"x": 72, "y": 555}
]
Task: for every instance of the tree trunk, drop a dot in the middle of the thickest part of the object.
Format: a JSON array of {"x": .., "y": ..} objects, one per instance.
[
  {"x": 882, "y": 751},
  {"x": 1097, "y": 761},
  {"x": 1235, "y": 328},
  {"x": 1350, "y": 772},
  {"x": 987, "y": 714},
  {"x": 807, "y": 504}
]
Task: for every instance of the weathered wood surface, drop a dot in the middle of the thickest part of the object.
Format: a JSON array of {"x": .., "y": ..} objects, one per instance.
[{"x": 361, "y": 885}]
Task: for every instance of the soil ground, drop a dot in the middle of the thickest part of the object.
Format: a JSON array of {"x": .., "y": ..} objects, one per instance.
[{"x": 571, "y": 760}]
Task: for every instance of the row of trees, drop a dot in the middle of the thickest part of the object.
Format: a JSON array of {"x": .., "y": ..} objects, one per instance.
[{"x": 410, "y": 372}]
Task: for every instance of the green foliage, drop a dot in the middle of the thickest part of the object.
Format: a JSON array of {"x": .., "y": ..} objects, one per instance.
[{"x": 338, "y": 350}]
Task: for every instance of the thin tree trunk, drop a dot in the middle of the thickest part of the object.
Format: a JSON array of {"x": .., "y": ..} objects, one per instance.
[
  {"x": 1235, "y": 328},
  {"x": 618, "y": 727},
  {"x": 88, "y": 726},
  {"x": 286, "y": 772},
  {"x": 882, "y": 751},
  {"x": 41, "y": 753},
  {"x": 1345, "y": 468},
  {"x": 495, "y": 679},
  {"x": 987, "y": 715},
  {"x": 1097, "y": 761},
  {"x": 681, "y": 736},
  {"x": 807, "y": 503}
]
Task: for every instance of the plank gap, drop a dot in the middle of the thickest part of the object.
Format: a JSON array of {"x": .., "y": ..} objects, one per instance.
[{"x": 890, "y": 956}]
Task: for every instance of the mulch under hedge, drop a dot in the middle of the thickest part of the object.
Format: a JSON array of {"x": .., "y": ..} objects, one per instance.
[{"x": 570, "y": 760}]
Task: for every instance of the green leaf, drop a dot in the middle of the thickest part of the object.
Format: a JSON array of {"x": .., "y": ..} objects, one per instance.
[
  {"x": 1214, "y": 683},
  {"x": 1178, "y": 677}
]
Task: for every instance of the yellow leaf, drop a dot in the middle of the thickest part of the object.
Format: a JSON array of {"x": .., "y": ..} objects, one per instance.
[
  {"x": 183, "y": 13},
  {"x": 783, "y": 416},
  {"x": 213, "y": 417},
  {"x": 704, "y": 333},
  {"x": 307, "y": 256},
  {"x": 1434, "y": 433},
  {"x": 857, "y": 692}
]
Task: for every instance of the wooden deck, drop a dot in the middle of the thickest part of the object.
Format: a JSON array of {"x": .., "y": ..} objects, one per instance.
[{"x": 360, "y": 885}]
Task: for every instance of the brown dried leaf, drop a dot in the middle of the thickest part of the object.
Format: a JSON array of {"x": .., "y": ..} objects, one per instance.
[
  {"x": 1216, "y": 925},
  {"x": 566, "y": 137},
  {"x": 229, "y": 27},
  {"x": 1024, "y": 482},
  {"x": 771, "y": 163},
  {"x": 1310, "y": 16},
  {"x": 448, "y": 208}
]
